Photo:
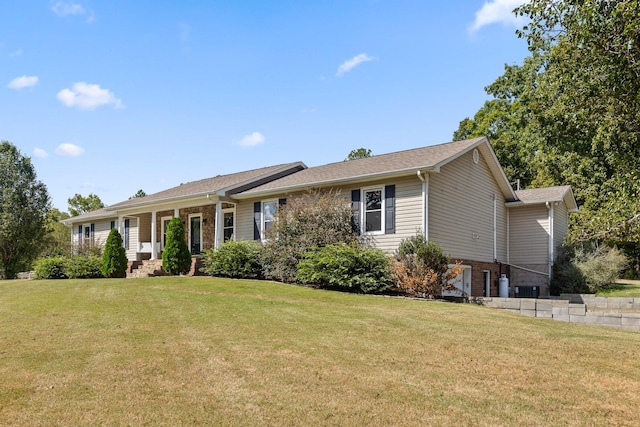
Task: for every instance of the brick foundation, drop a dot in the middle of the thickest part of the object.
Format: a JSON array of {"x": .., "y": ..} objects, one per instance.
[{"x": 477, "y": 276}]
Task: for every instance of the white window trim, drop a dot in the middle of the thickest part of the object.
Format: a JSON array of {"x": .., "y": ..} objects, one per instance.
[
  {"x": 263, "y": 234},
  {"x": 363, "y": 210},
  {"x": 201, "y": 226},
  {"x": 233, "y": 211}
]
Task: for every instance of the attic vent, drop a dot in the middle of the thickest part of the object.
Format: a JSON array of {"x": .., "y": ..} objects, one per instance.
[{"x": 476, "y": 156}]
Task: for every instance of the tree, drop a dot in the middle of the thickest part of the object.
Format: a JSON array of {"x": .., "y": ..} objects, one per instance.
[
  {"x": 359, "y": 153},
  {"x": 310, "y": 221},
  {"x": 79, "y": 204},
  {"x": 139, "y": 193},
  {"x": 572, "y": 112},
  {"x": 114, "y": 258},
  {"x": 57, "y": 241},
  {"x": 24, "y": 205},
  {"x": 176, "y": 258}
]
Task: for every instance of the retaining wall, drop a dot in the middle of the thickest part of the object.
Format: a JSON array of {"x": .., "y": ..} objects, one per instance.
[{"x": 626, "y": 315}]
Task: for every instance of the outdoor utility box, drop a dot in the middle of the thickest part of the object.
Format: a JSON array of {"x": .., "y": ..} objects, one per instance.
[{"x": 527, "y": 291}]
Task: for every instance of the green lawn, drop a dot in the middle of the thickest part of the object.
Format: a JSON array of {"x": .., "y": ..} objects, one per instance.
[
  {"x": 203, "y": 351},
  {"x": 622, "y": 288}
]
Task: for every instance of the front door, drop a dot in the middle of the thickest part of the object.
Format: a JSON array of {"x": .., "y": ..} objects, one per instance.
[{"x": 195, "y": 233}]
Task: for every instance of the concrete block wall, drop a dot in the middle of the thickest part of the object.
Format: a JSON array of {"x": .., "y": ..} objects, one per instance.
[{"x": 602, "y": 313}]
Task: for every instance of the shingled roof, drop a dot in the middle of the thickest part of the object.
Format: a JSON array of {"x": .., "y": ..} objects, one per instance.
[
  {"x": 562, "y": 193},
  {"x": 369, "y": 168}
]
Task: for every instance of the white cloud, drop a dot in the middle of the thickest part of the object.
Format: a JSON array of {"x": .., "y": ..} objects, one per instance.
[
  {"x": 69, "y": 149},
  {"x": 497, "y": 11},
  {"x": 63, "y": 9},
  {"x": 39, "y": 153},
  {"x": 350, "y": 64},
  {"x": 88, "y": 96},
  {"x": 66, "y": 9},
  {"x": 22, "y": 82},
  {"x": 256, "y": 138}
]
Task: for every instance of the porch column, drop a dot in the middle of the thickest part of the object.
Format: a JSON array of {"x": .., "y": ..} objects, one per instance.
[
  {"x": 219, "y": 236},
  {"x": 154, "y": 249},
  {"x": 176, "y": 213}
]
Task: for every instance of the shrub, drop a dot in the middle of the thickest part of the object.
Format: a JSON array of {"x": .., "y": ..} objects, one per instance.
[
  {"x": 114, "y": 259},
  {"x": 84, "y": 267},
  {"x": 234, "y": 259},
  {"x": 176, "y": 258},
  {"x": 347, "y": 267},
  {"x": 422, "y": 269},
  {"x": 312, "y": 220},
  {"x": 586, "y": 268},
  {"x": 50, "y": 268}
]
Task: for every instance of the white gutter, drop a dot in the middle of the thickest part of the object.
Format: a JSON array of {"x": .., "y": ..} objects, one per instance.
[
  {"x": 495, "y": 228},
  {"x": 550, "y": 206}
]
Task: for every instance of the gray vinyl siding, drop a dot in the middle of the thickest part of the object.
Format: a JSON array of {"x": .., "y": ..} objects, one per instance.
[
  {"x": 560, "y": 224},
  {"x": 529, "y": 235},
  {"x": 461, "y": 210},
  {"x": 408, "y": 211}
]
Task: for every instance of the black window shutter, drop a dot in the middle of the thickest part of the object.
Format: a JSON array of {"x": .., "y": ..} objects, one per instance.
[
  {"x": 390, "y": 209},
  {"x": 355, "y": 210},
  {"x": 257, "y": 207},
  {"x": 113, "y": 225},
  {"x": 126, "y": 234},
  {"x": 93, "y": 229},
  {"x": 282, "y": 202},
  {"x": 80, "y": 233}
]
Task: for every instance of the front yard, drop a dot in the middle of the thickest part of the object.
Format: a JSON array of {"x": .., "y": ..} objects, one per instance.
[{"x": 204, "y": 351}]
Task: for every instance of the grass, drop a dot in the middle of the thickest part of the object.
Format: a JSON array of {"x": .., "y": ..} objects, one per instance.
[
  {"x": 622, "y": 288},
  {"x": 203, "y": 351}
]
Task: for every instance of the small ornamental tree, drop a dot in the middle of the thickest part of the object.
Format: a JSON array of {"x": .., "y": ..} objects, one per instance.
[
  {"x": 114, "y": 258},
  {"x": 422, "y": 269},
  {"x": 176, "y": 258}
]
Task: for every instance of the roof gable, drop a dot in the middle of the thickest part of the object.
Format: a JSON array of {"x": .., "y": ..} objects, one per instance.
[{"x": 399, "y": 163}]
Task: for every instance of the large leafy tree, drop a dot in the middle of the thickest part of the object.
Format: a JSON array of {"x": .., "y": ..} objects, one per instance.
[
  {"x": 570, "y": 114},
  {"x": 358, "y": 153},
  {"x": 57, "y": 242},
  {"x": 79, "y": 204},
  {"x": 24, "y": 205}
]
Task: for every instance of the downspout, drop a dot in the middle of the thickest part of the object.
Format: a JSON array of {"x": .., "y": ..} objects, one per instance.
[
  {"x": 425, "y": 203},
  {"x": 495, "y": 228},
  {"x": 551, "y": 242}
]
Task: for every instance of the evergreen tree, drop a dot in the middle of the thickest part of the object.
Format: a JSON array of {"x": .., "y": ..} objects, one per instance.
[
  {"x": 114, "y": 259},
  {"x": 176, "y": 258}
]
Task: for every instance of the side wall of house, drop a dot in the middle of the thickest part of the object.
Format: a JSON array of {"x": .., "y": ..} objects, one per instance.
[
  {"x": 461, "y": 210},
  {"x": 101, "y": 230},
  {"x": 529, "y": 246},
  {"x": 408, "y": 211}
]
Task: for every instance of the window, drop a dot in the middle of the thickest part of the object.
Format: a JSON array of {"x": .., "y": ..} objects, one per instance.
[
  {"x": 228, "y": 225},
  {"x": 268, "y": 215},
  {"x": 112, "y": 225},
  {"x": 264, "y": 215},
  {"x": 373, "y": 210}
]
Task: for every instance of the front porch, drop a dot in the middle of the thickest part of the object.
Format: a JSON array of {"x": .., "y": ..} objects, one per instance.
[{"x": 206, "y": 227}]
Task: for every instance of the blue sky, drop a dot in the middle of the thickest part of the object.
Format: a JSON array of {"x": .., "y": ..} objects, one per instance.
[{"x": 109, "y": 97}]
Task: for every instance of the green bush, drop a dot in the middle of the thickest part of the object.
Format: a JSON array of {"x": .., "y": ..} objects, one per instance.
[
  {"x": 348, "y": 267},
  {"x": 176, "y": 258},
  {"x": 586, "y": 268},
  {"x": 114, "y": 258},
  {"x": 84, "y": 267},
  {"x": 422, "y": 269},
  {"x": 234, "y": 259},
  {"x": 50, "y": 268}
]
